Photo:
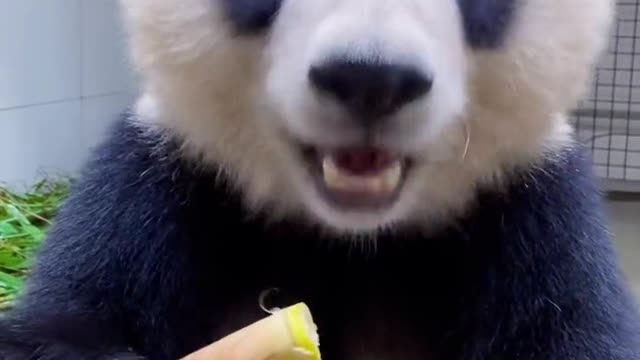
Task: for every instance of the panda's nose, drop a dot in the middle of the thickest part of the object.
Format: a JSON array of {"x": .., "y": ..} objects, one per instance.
[{"x": 370, "y": 91}]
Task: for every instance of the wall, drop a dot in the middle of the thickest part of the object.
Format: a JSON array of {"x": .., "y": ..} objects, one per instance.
[
  {"x": 609, "y": 118},
  {"x": 63, "y": 78},
  {"x": 624, "y": 218}
]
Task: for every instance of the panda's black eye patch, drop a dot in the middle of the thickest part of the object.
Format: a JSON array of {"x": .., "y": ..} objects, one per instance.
[
  {"x": 251, "y": 16},
  {"x": 486, "y": 22}
]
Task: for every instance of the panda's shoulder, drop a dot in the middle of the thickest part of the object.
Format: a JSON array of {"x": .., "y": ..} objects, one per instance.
[
  {"x": 563, "y": 179},
  {"x": 140, "y": 155},
  {"x": 555, "y": 202},
  {"x": 135, "y": 208},
  {"x": 134, "y": 185}
]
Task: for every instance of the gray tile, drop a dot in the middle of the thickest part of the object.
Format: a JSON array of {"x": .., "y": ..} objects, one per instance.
[
  {"x": 98, "y": 114},
  {"x": 39, "y": 43},
  {"x": 39, "y": 140},
  {"x": 106, "y": 67}
]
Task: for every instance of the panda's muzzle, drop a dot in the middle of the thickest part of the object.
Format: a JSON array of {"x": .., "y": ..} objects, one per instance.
[
  {"x": 370, "y": 92},
  {"x": 364, "y": 175}
]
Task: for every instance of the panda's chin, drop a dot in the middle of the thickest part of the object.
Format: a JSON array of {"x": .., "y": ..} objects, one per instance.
[{"x": 357, "y": 179}]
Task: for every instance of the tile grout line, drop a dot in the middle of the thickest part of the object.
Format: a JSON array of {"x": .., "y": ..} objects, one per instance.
[{"x": 64, "y": 100}]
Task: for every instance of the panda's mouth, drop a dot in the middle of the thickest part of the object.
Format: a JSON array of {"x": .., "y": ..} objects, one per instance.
[{"x": 357, "y": 178}]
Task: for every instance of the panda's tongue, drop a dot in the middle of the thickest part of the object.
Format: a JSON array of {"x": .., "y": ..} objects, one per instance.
[{"x": 366, "y": 171}]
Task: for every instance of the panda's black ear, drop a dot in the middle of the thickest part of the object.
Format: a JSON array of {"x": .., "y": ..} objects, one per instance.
[
  {"x": 486, "y": 22},
  {"x": 252, "y": 16}
]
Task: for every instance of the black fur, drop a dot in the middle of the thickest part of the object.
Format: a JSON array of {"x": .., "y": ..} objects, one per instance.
[
  {"x": 151, "y": 256},
  {"x": 252, "y": 16},
  {"x": 486, "y": 21}
]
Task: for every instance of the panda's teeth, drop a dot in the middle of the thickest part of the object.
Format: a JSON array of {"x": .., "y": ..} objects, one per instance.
[{"x": 385, "y": 181}]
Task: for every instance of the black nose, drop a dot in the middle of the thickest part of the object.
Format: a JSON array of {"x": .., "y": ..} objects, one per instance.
[{"x": 368, "y": 90}]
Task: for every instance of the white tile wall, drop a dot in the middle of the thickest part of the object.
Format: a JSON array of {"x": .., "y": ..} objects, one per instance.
[
  {"x": 39, "y": 140},
  {"x": 98, "y": 114},
  {"x": 64, "y": 77},
  {"x": 40, "y": 53},
  {"x": 105, "y": 66}
]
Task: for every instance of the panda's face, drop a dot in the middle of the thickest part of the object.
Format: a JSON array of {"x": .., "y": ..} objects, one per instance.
[{"x": 364, "y": 114}]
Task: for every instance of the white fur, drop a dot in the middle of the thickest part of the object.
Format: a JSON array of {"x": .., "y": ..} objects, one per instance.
[{"x": 239, "y": 101}]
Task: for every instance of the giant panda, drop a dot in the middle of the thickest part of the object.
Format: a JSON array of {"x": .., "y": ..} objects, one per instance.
[{"x": 406, "y": 168}]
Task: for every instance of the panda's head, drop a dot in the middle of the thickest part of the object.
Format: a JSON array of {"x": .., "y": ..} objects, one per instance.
[{"x": 365, "y": 114}]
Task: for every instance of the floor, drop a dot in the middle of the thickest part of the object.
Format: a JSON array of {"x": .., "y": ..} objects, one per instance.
[{"x": 625, "y": 225}]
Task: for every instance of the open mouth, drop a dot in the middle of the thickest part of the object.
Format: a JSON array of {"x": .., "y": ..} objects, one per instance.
[{"x": 362, "y": 178}]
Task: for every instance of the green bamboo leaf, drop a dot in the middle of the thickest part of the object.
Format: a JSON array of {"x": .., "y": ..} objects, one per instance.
[
  {"x": 9, "y": 281},
  {"x": 13, "y": 211},
  {"x": 7, "y": 229},
  {"x": 24, "y": 221},
  {"x": 35, "y": 233},
  {"x": 12, "y": 262}
]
